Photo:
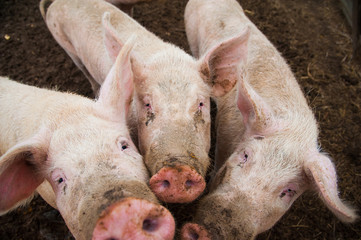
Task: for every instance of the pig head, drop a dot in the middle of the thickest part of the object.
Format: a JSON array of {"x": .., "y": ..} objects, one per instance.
[
  {"x": 78, "y": 155},
  {"x": 170, "y": 110},
  {"x": 267, "y": 150}
]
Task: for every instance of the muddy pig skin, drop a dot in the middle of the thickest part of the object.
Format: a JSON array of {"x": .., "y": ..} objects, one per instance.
[
  {"x": 170, "y": 110},
  {"x": 78, "y": 155},
  {"x": 267, "y": 153}
]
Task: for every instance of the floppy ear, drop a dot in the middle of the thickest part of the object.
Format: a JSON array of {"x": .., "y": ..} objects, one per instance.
[
  {"x": 322, "y": 173},
  {"x": 219, "y": 66},
  {"x": 20, "y": 171},
  {"x": 117, "y": 90}
]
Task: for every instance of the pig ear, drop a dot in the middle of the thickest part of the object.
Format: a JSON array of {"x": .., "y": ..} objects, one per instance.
[
  {"x": 257, "y": 114},
  {"x": 321, "y": 171},
  {"x": 19, "y": 171},
  {"x": 112, "y": 42},
  {"x": 117, "y": 90},
  {"x": 219, "y": 66}
]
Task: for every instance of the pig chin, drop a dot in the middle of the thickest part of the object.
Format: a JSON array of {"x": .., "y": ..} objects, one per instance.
[
  {"x": 217, "y": 215},
  {"x": 81, "y": 218}
]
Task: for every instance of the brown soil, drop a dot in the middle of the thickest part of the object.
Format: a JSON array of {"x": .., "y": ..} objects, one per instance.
[{"x": 312, "y": 35}]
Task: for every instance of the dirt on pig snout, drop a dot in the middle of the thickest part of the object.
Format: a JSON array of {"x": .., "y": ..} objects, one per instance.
[{"x": 312, "y": 35}]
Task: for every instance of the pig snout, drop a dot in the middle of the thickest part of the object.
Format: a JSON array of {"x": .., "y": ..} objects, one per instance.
[
  {"x": 177, "y": 184},
  {"x": 193, "y": 231},
  {"x": 134, "y": 218}
]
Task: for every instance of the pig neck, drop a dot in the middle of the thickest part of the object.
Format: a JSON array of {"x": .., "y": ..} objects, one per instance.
[
  {"x": 35, "y": 108},
  {"x": 271, "y": 78}
]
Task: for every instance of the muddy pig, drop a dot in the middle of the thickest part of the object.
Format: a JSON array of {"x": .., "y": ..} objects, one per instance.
[
  {"x": 78, "y": 155},
  {"x": 170, "y": 111},
  {"x": 267, "y": 153}
]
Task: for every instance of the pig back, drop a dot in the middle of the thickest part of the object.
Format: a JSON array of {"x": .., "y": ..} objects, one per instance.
[
  {"x": 77, "y": 27},
  {"x": 24, "y": 109}
]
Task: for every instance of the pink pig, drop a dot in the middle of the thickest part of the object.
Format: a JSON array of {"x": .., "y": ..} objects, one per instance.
[
  {"x": 126, "y": 5},
  {"x": 78, "y": 155},
  {"x": 267, "y": 153},
  {"x": 170, "y": 111}
]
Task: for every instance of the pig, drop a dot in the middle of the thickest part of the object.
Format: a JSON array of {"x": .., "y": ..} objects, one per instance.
[
  {"x": 126, "y": 5},
  {"x": 78, "y": 155},
  {"x": 267, "y": 153},
  {"x": 170, "y": 111}
]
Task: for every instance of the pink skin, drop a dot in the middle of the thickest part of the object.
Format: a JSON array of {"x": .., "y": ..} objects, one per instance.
[
  {"x": 134, "y": 218},
  {"x": 267, "y": 153},
  {"x": 192, "y": 231},
  {"x": 179, "y": 184},
  {"x": 169, "y": 84}
]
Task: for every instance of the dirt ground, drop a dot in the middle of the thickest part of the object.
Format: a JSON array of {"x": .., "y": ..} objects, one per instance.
[{"x": 312, "y": 35}]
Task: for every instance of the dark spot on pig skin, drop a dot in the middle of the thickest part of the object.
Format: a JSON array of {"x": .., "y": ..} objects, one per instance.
[
  {"x": 198, "y": 118},
  {"x": 191, "y": 160},
  {"x": 192, "y": 155},
  {"x": 221, "y": 24},
  {"x": 235, "y": 232},
  {"x": 213, "y": 229},
  {"x": 205, "y": 72},
  {"x": 113, "y": 194},
  {"x": 226, "y": 84},
  {"x": 226, "y": 212},
  {"x": 171, "y": 162},
  {"x": 150, "y": 118}
]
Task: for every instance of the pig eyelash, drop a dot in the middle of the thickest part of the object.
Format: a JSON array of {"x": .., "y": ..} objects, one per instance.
[
  {"x": 259, "y": 137},
  {"x": 288, "y": 192}
]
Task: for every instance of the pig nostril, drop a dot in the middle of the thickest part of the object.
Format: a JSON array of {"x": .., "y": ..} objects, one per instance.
[
  {"x": 166, "y": 184},
  {"x": 189, "y": 183},
  {"x": 150, "y": 225},
  {"x": 194, "y": 236},
  {"x": 111, "y": 238}
]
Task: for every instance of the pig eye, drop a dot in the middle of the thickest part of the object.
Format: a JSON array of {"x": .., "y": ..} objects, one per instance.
[
  {"x": 124, "y": 145},
  {"x": 245, "y": 156},
  {"x": 200, "y": 105},
  {"x": 244, "y": 159},
  {"x": 288, "y": 192},
  {"x": 58, "y": 180},
  {"x": 148, "y": 106}
]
